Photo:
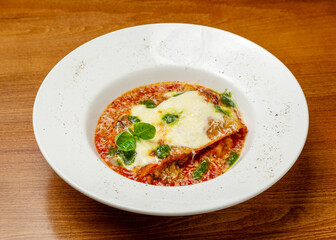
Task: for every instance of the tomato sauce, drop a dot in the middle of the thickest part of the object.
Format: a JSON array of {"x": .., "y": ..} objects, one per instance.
[{"x": 178, "y": 173}]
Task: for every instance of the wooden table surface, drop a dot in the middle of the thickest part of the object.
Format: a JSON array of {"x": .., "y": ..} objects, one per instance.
[{"x": 37, "y": 204}]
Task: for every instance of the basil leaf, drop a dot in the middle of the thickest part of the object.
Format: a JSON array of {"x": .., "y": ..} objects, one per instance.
[
  {"x": 125, "y": 141},
  {"x": 232, "y": 158},
  {"x": 224, "y": 110},
  {"x": 170, "y": 118},
  {"x": 144, "y": 130},
  {"x": 128, "y": 157},
  {"x": 148, "y": 103},
  {"x": 133, "y": 119},
  {"x": 162, "y": 151},
  {"x": 226, "y": 99},
  {"x": 201, "y": 169}
]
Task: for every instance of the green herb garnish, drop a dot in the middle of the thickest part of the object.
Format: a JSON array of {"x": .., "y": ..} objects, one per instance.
[
  {"x": 144, "y": 130},
  {"x": 162, "y": 151},
  {"x": 170, "y": 118},
  {"x": 133, "y": 119},
  {"x": 226, "y": 99},
  {"x": 126, "y": 140},
  {"x": 148, "y": 103},
  {"x": 224, "y": 110},
  {"x": 128, "y": 157},
  {"x": 112, "y": 151},
  {"x": 178, "y": 94},
  {"x": 201, "y": 169},
  {"x": 232, "y": 158}
]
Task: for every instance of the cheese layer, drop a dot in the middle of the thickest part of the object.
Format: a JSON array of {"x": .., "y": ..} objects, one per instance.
[{"x": 188, "y": 131}]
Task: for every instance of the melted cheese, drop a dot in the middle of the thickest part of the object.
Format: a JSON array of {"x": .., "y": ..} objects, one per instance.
[{"x": 188, "y": 131}]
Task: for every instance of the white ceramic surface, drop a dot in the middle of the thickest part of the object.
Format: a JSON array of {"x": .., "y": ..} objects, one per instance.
[{"x": 78, "y": 89}]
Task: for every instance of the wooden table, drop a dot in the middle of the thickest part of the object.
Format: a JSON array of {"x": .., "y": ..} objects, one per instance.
[{"x": 37, "y": 204}]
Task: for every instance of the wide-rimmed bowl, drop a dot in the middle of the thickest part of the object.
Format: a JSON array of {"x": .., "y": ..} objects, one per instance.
[{"x": 78, "y": 89}]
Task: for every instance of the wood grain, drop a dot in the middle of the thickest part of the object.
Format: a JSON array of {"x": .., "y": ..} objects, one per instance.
[{"x": 36, "y": 204}]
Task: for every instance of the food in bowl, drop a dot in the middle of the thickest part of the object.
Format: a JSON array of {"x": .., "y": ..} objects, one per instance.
[{"x": 171, "y": 134}]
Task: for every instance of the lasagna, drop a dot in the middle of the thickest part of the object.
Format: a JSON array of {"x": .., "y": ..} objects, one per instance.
[{"x": 171, "y": 134}]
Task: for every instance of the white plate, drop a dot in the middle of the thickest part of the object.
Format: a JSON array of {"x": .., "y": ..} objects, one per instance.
[{"x": 78, "y": 89}]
